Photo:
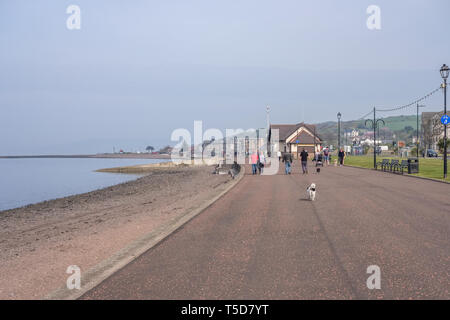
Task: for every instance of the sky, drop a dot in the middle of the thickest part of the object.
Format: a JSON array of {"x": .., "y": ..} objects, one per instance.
[{"x": 137, "y": 70}]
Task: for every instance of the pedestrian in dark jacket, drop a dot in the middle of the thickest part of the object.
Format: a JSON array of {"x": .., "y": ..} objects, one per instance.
[
  {"x": 341, "y": 156},
  {"x": 304, "y": 160},
  {"x": 287, "y": 159}
]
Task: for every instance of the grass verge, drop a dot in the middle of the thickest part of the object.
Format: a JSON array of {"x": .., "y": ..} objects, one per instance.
[{"x": 428, "y": 167}]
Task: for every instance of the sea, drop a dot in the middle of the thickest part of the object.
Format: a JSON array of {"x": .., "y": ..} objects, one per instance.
[{"x": 25, "y": 181}]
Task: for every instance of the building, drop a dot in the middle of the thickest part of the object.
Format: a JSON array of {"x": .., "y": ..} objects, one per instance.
[
  {"x": 352, "y": 136},
  {"x": 426, "y": 131},
  {"x": 294, "y": 138},
  {"x": 432, "y": 129},
  {"x": 438, "y": 130}
]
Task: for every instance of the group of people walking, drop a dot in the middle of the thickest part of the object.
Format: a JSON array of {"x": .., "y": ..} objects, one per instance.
[
  {"x": 258, "y": 161},
  {"x": 287, "y": 159},
  {"x": 321, "y": 158},
  {"x": 325, "y": 156}
]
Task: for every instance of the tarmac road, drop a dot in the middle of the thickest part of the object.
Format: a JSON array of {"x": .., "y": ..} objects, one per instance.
[{"x": 264, "y": 240}]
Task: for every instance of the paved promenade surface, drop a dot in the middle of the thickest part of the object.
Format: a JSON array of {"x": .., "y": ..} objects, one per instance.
[{"x": 264, "y": 240}]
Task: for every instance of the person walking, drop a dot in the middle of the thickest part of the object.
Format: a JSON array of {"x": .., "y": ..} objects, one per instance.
[
  {"x": 254, "y": 161},
  {"x": 279, "y": 155},
  {"x": 287, "y": 159},
  {"x": 304, "y": 160},
  {"x": 341, "y": 156},
  {"x": 326, "y": 156},
  {"x": 319, "y": 161},
  {"x": 262, "y": 163}
]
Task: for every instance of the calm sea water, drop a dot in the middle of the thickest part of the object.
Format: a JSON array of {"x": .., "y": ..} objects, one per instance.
[{"x": 26, "y": 181}]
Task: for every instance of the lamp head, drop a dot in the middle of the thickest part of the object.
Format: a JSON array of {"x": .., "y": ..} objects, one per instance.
[
  {"x": 339, "y": 115},
  {"x": 444, "y": 71}
]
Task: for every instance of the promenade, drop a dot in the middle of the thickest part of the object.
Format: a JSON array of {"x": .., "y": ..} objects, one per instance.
[{"x": 264, "y": 240}]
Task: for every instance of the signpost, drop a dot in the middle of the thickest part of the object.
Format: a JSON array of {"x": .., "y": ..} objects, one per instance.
[{"x": 445, "y": 119}]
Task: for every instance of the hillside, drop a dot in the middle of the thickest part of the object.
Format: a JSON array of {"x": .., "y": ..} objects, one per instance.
[{"x": 404, "y": 127}]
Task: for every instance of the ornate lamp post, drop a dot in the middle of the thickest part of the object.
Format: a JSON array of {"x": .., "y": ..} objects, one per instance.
[
  {"x": 375, "y": 124},
  {"x": 444, "y": 74}
]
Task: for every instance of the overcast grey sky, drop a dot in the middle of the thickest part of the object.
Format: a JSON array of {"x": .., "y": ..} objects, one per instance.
[{"x": 136, "y": 70}]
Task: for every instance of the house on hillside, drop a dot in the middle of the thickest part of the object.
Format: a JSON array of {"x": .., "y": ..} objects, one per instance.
[
  {"x": 432, "y": 129},
  {"x": 293, "y": 138},
  {"x": 368, "y": 139}
]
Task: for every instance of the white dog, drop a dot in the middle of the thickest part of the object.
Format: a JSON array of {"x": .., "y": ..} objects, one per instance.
[{"x": 311, "y": 191}]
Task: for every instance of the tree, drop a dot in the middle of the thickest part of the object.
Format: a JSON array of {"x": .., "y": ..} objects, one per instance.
[
  {"x": 150, "y": 148},
  {"x": 427, "y": 130},
  {"x": 441, "y": 144},
  {"x": 408, "y": 129},
  {"x": 366, "y": 149}
]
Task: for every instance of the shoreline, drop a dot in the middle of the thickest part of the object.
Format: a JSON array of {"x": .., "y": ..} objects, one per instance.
[
  {"x": 133, "y": 170},
  {"x": 88, "y": 228},
  {"x": 75, "y": 195},
  {"x": 92, "y": 156},
  {"x": 139, "y": 170}
]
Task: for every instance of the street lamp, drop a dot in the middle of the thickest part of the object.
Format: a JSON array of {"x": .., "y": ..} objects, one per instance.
[
  {"x": 339, "y": 115},
  {"x": 314, "y": 141},
  {"x": 375, "y": 124},
  {"x": 417, "y": 131},
  {"x": 444, "y": 74}
]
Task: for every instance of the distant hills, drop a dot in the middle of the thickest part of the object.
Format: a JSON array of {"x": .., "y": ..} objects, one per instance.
[{"x": 404, "y": 128}]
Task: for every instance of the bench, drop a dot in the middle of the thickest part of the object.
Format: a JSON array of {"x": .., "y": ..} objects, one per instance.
[
  {"x": 235, "y": 169},
  {"x": 394, "y": 166},
  {"x": 232, "y": 170},
  {"x": 404, "y": 165},
  {"x": 384, "y": 164}
]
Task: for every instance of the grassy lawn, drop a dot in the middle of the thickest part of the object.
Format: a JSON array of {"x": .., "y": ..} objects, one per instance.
[{"x": 428, "y": 167}]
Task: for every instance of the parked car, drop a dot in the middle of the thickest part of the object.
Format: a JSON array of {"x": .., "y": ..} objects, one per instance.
[{"x": 431, "y": 153}]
